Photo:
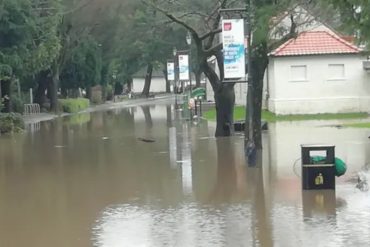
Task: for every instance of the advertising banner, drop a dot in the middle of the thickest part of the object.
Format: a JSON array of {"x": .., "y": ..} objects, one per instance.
[
  {"x": 170, "y": 71},
  {"x": 233, "y": 47},
  {"x": 184, "y": 67}
]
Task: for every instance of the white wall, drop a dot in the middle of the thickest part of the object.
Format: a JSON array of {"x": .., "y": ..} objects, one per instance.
[
  {"x": 318, "y": 93},
  {"x": 158, "y": 85}
]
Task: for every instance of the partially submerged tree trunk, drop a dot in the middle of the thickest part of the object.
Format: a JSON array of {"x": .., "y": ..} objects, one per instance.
[
  {"x": 224, "y": 97},
  {"x": 225, "y": 101},
  {"x": 148, "y": 80},
  {"x": 259, "y": 65}
]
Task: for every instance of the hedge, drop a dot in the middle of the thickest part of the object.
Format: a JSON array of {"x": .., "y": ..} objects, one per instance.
[
  {"x": 74, "y": 105},
  {"x": 11, "y": 122}
]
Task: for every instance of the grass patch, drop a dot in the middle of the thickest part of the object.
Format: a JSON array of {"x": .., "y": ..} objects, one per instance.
[
  {"x": 239, "y": 114},
  {"x": 358, "y": 125},
  {"x": 74, "y": 105}
]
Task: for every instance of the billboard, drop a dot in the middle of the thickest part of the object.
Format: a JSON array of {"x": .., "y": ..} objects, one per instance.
[
  {"x": 170, "y": 71},
  {"x": 233, "y": 48},
  {"x": 184, "y": 67}
]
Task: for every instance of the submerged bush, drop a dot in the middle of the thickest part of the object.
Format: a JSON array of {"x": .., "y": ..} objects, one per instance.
[
  {"x": 11, "y": 123},
  {"x": 74, "y": 105}
]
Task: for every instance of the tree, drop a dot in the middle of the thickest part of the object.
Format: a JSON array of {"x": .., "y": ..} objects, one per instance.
[
  {"x": 355, "y": 17},
  {"x": 205, "y": 40},
  {"x": 202, "y": 20},
  {"x": 28, "y": 38}
]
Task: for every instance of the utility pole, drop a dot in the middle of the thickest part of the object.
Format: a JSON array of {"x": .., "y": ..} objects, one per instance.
[{"x": 250, "y": 147}]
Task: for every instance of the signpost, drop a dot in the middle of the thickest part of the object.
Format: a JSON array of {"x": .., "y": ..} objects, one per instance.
[
  {"x": 233, "y": 47},
  {"x": 184, "y": 67},
  {"x": 171, "y": 71}
]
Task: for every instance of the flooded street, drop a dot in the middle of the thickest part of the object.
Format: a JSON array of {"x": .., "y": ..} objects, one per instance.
[{"x": 143, "y": 176}]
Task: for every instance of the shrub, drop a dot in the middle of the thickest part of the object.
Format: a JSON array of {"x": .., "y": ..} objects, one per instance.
[
  {"x": 108, "y": 92},
  {"x": 74, "y": 105},
  {"x": 11, "y": 122},
  {"x": 96, "y": 96},
  {"x": 17, "y": 104}
]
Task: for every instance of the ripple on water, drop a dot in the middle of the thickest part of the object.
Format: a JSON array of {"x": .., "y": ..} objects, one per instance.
[{"x": 186, "y": 225}]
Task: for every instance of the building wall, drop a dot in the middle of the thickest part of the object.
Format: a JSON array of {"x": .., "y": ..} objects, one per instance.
[
  {"x": 323, "y": 89},
  {"x": 158, "y": 85}
]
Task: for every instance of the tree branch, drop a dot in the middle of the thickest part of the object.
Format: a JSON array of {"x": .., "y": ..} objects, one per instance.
[
  {"x": 174, "y": 19},
  {"x": 203, "y": 37},
  {"x": 213, "y": 50}
]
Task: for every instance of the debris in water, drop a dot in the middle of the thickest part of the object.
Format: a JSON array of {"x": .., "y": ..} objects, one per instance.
[
  {"x": 105, "y": 138},
  {"x": 145, "y": 139},
  {"x": 59, "y": 146},
  {"x": 362, "y": 181}
]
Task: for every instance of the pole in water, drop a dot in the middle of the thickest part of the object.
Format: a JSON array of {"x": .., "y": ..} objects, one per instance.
[{"x": 250, "y": 147}]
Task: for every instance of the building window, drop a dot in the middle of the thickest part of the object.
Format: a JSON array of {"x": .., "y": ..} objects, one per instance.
[
  {"x": 336, "y": 72},
  {"x": 298, "y": 73}
]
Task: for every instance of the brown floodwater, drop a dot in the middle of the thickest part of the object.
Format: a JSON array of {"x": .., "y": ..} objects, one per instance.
[{"x": 144, "y": 176}]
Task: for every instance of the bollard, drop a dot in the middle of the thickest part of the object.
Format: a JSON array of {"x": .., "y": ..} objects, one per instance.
[{"x": 318, "y": 176}]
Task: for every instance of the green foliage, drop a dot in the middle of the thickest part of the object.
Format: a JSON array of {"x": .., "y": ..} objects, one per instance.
[
  {"x": 108, "y": 92},
  {"x": 365, "y": 125},
  {"x": 1, "y": 104},
  {"x": 74, "y": 105},
  {"x": 83, "y": 69},
  {"x": 17, "y": 104},
  {"x": 355, "y": 16},
  {"x": 11, "y": 123},
  {"x": 28, "y": 38}
]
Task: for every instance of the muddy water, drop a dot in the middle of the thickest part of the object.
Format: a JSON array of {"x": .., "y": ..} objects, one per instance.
[{"x": 143, "y": 177}]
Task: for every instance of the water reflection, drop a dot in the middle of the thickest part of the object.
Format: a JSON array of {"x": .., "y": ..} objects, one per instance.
[{"x": 95, "y": 183}]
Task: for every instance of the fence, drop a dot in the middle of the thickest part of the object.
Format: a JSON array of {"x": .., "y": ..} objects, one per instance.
[{"x": 30, "y": 109}]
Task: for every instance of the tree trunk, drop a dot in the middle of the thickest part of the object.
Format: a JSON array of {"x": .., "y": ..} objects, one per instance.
[
  {"x": 54, "y": 89},
  {"x": 259, "y": 65},
  {"x": 224, "y": 98},
  {"x": 40, "y": 96},
  {"x": 129, "y": 84},
  {"x": 148, "y": 80},
  {"x": 168, "y": 84},
  {"x": 6, "y": 86},
  {"x": 225, "y": 101},
  {"x": 1, "y": 96},
  {"x": 198, "y": 75}
]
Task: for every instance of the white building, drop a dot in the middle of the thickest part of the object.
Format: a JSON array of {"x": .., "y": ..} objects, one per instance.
[
  {"x": 317, "y": 72},
  {"x": 158, "y": 84}
]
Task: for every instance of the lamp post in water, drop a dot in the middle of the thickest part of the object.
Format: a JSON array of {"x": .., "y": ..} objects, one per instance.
[
  {"x": 250, "y": 147},
  {"x": 188, "y": 41},
  {"x": 176, "y": 74}
]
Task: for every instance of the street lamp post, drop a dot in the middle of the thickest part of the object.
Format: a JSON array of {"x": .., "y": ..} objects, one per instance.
[
  {"x": 176, "y": 75},
  {"x": 250, "y": 146},
  {"x": 188, "y": 41}
]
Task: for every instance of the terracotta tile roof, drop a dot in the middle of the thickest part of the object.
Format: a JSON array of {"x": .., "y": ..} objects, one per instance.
[{"x": 314, "y": 43}]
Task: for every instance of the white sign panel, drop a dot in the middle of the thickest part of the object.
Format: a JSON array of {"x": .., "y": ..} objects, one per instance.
[
  {"x": 170, "y": 71},
  {"x": 234, "y": 49},
  {"x": 184, "y": 67}
]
